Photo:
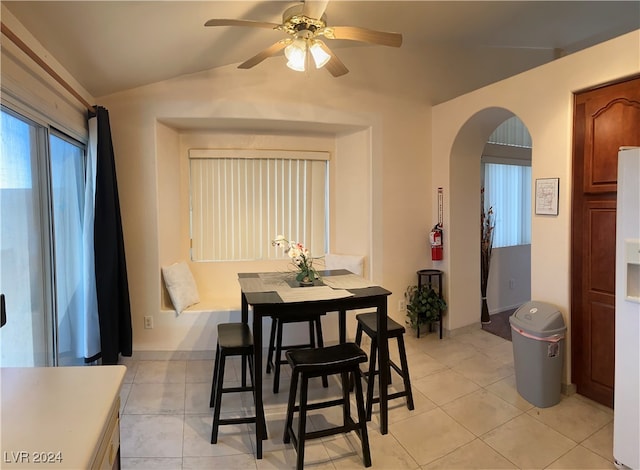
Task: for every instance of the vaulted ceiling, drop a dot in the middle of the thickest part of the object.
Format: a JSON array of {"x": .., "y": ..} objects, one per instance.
[{"x": 458, "y": 46}]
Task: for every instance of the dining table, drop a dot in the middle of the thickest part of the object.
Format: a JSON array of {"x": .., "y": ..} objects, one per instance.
[{"x": 272, "y": 294}]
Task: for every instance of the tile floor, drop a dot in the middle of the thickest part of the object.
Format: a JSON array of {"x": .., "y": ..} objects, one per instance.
[{"x": 467, "y": 414}]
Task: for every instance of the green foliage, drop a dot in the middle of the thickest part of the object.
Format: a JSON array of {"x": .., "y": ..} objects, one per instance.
[
  {"x": 307, "y": 272},
  {"x": 423, "y": 305}
]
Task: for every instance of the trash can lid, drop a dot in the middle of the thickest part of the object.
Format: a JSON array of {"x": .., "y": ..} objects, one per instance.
[{"x": 538, "y": 318}]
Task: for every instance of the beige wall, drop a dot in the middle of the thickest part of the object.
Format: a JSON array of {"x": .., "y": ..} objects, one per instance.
[
  {"x": 543, "y": 99},
  {"x": 28, "y": 89},
  {"x": 380, "y": 204},
  {"x": 376, "y": 116},
  {"x": 509, "y": 283}
]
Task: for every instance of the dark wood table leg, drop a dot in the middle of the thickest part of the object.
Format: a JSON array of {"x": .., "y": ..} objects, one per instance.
[
  {"x": 383, "y": 360},
  {"x": 245, "y": 319},
  {"x": 261, "y": 432},
  {"x": 342, "y": 326}
]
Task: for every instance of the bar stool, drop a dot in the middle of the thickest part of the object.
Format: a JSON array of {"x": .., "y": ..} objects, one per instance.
[
  {"x": 368, "y": 323},
  {"x": 343, "y": 359},
  {"x": 234, "y": 339},
  {"x": 276, "y": 347}
]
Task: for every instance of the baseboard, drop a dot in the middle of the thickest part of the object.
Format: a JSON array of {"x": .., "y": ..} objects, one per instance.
[
  {"x": 203, "y": 355},
  {"x": 506, "y": 308},
  {"x": 462, "y": 330},
  {"x": 171, "y": 356},
  {"x": 568, "y": 389}
]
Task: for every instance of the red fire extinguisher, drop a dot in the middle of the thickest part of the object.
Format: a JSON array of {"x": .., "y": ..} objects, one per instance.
[{"x": 435, "y": 238}]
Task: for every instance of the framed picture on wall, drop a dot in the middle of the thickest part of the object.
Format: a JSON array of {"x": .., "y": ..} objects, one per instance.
[{"x": 547, "y": 191}]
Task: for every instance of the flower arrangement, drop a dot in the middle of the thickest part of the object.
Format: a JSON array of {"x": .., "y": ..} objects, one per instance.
[
  {"x": 487, "y": 225},
  {"x": 300, "y": 258}
]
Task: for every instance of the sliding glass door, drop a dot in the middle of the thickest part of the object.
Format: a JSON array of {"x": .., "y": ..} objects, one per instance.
[
  {"x": 41, "y": 207},
  {"x": 26, "y": 339},
  {"x": 67, "y": 184}
]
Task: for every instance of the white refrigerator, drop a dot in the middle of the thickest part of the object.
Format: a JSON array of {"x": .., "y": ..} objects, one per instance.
[{"x": 626, "y": 423}]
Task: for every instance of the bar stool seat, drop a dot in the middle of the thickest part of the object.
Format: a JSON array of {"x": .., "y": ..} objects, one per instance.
[
  {"x": 234, "y": 339},
  {"x": 367, "y": 322},
  {"x": 343, "y": 359}
]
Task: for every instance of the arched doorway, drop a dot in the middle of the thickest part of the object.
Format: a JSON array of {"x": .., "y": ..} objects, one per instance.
[
  {"x": 506, "y": 182},
  {"x": 464, "y": 214}
]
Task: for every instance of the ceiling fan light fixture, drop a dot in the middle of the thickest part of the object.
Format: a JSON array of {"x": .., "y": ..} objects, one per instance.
[
  {"x": 320, "y": 56},
  {"x": 297, "y": 66},
  {"x": 296, "y": 53},
  {"x": 296, "y": 47},
  {"x": 303, "y": 23}
]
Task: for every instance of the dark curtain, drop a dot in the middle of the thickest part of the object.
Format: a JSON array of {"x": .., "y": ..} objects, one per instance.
[{"x": 112, "y": 288}]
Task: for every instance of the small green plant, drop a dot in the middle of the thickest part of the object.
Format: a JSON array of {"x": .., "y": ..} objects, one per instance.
[{"x": 423, "y": 305}]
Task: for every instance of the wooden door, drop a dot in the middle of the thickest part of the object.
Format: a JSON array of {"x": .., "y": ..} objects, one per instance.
[{"x": 604, "y": 119}]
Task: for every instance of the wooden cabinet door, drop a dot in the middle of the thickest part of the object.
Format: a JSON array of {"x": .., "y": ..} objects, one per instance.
[{"x": 604, "y": 119}]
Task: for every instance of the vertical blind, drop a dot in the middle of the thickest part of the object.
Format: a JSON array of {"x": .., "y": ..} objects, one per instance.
[
  {"x": 511, "y": 132},
  {"x": 508, "y": 191},
  {"x": 240, "y": 200}
]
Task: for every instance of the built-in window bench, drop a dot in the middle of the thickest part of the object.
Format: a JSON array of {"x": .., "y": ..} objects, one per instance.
[
  {"x": 194, "y": 329},
  {"x": 207, "y": 304}
]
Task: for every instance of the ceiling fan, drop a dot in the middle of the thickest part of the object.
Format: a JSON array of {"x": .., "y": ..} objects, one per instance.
[{"x": 305, "y": 24}]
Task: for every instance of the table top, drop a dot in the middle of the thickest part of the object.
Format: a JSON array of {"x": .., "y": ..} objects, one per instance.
[
  {"x": 335, "y": 287},
  {"x": 56, "y": 415}
]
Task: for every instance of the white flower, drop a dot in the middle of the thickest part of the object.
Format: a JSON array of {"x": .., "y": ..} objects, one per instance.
[
  {"x": 279, "y": 241},
  {"x": 300, "y": 257}
]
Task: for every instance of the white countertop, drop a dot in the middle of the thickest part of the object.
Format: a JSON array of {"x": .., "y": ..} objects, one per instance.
[{"x": 51, "y": 412}]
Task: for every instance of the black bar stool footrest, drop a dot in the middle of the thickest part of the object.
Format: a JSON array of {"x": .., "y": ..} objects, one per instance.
[
  {"x": 237, "y": 389},
  {"x": 320, "y": 405},
  {"x": 242, "y": 420}
]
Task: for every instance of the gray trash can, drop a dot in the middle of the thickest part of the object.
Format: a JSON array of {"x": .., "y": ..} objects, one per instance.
[{"x": 538, "y": 332}]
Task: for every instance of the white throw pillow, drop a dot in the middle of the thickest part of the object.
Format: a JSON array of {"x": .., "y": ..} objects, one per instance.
[
  {"x": 353, "y": 263},
  {"x": 181, "y": 286}
]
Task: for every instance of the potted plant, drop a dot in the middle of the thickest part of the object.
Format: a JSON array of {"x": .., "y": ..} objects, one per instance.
[
  {"x": 423, "y": 305},
  {"x": 487, "y": 225}
]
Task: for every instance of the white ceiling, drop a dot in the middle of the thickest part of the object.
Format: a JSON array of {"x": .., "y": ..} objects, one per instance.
[{"x": 109, "y": 46}]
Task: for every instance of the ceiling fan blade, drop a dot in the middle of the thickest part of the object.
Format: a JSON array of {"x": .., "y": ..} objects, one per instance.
[
  {"x": 355, "y": 33},
  {"x": 335, "y": 66},
  {"x": 254, "y": 24},
  {"x": 314, "y": 8},
  {"x": 265, "y": 54}
]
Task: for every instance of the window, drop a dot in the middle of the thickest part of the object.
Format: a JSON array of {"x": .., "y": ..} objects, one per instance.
[
  {"x": 242, "y": 199},
  {"x": 508, "y": 191}
]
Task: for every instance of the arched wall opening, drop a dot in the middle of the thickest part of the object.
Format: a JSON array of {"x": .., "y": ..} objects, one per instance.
[{"x": 464, "y": 216}]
